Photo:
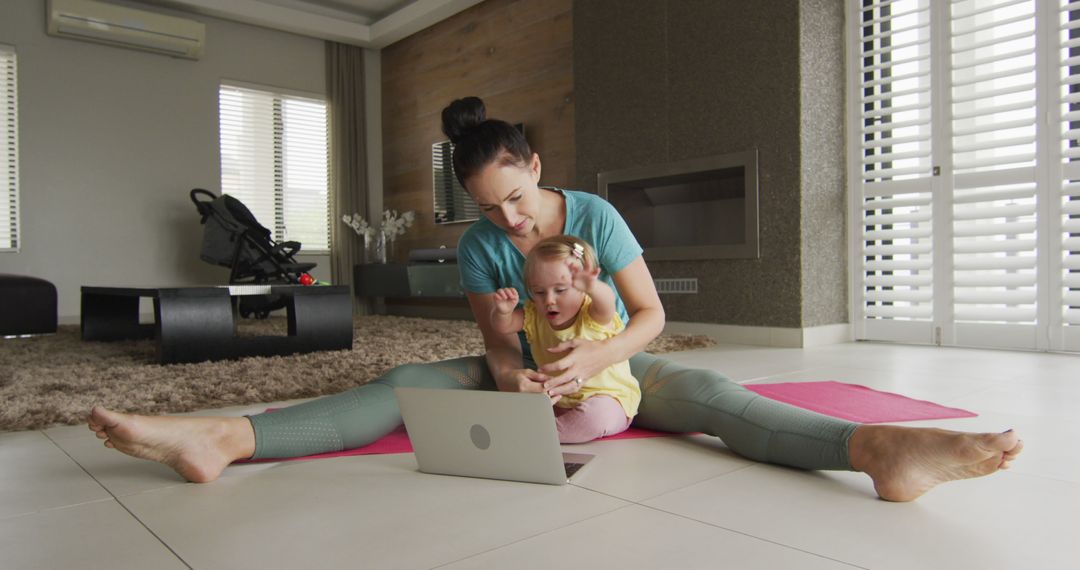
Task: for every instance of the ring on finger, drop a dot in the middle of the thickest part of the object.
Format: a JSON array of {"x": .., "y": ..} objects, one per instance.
[{"x": 577, "y": 380}]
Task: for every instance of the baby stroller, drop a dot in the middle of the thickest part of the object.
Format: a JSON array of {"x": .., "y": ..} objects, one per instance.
[{"x": 233, "y": 238}]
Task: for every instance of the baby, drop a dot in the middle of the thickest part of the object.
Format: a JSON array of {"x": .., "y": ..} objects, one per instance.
[{"x": 568, "y": 301}]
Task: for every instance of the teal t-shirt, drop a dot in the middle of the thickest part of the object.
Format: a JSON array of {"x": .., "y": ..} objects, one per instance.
[{"x": 488, "y": 260}]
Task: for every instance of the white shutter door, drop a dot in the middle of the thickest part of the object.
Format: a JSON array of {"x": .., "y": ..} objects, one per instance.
[
  {"x": 305, "y": 178},
  {"x": 1067, "y": 234},
  {"x": 248, "y": 158},
  {"x": 988, "y": 253},
  {"x": 9, "y": 171},
  {"x": 994, "y": 131},
  {"x": 895, "y": 171}
]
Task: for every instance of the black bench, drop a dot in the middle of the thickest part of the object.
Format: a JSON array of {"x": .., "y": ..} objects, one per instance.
[{"x": 27, "y": 305}]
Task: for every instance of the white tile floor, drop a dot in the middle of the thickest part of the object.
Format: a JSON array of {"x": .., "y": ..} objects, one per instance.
[{"x": 680, "y": 502}]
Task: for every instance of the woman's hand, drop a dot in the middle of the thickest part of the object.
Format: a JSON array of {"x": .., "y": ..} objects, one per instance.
[
  {"x": 526, "y": 380},
  {"x": 583, "y": 359}
]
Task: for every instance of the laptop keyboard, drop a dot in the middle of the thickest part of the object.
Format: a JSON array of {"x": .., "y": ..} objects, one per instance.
[{"x": 572, "y": 468}]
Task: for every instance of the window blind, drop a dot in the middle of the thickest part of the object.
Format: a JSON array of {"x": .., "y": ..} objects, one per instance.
[
  {"x": 993, "y": 109},
  {"x": 9, "y": 156},
  {"x": 1068, "y": 29},
  {"x": 452, "y": 202},
  {"x": 894, "y": 118},
  {"x": 274, "y": 158},
  {"x": 305, "y": 173}
]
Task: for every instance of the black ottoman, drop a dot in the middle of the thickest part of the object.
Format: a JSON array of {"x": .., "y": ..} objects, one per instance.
[{"x": 27, "y": 305}]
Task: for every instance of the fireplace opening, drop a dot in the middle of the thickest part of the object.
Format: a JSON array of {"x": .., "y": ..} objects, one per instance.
[{"x": 703, "y": 208}]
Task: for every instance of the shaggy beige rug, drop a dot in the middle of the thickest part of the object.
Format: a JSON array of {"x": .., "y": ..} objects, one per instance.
[{"x": 56, "y": 379}]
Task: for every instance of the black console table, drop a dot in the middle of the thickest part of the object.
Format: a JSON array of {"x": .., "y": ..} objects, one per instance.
[
  {"x": 193, "y": 324},
  {"x": 412, "y": 280}
]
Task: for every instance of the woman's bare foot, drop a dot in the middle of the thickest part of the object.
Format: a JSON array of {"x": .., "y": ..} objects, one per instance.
[
  {"x": 198, "y": 449},
  {"x": 907, "y": 462}
]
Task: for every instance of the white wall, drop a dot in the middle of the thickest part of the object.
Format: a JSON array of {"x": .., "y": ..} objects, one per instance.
[{"x": 111, "y": 140}]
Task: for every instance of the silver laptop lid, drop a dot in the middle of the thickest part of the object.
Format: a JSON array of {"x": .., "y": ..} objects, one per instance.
[{"x": 472, "y": 433}]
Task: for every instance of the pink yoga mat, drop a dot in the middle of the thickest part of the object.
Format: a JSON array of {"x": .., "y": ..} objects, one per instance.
[
  {"x": 845, "y": 401},
  {"x": 397, "y": 441},
  {"x": 856, "y": 403}
]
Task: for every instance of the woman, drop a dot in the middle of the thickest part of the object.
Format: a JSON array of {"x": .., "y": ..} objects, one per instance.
[{"x": 501, "y": 173}]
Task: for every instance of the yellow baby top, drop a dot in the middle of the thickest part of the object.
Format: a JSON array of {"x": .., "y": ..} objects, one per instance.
[{"x": 615, "y": 380}]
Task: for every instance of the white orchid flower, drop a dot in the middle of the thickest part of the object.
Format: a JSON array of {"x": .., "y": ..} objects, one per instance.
[
  {"x": 358, "y": 225},
  {"x": 394, "y": 224}
]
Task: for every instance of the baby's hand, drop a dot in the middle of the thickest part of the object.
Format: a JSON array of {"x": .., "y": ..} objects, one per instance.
[
  {"x": 506, "y": 300},
  {"x": 582, "y": 276}
]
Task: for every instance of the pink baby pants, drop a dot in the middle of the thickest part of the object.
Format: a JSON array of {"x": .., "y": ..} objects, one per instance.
[{"x": 594, "y": 418}]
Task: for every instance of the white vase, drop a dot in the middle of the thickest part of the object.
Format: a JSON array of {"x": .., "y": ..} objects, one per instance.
[{"x": 380, "y": 247}]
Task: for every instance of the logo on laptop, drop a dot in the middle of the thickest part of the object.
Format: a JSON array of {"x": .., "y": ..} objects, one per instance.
[{"x": 480, "y": 436}]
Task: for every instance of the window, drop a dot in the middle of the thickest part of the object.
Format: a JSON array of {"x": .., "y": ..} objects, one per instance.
[
  {"x": 274, "y": 159},
  {"x": 452, "y": 202},
  {"x": 9, "y": 156},
  {"x": 966, "y": 171}
]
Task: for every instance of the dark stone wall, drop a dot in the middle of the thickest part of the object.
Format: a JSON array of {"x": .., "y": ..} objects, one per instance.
[
  {"x": 824, "y": 200},
  {"x": 658, "y": 81}
]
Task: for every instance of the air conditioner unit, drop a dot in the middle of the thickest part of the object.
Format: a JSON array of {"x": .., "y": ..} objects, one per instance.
[{"x": 111, "y": 24}]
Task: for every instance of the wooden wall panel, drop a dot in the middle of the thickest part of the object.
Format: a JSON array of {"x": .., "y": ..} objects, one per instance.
[{"x": 517, "y": 55}]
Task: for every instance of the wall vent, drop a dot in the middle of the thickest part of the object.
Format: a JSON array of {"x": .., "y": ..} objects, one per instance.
[{"x": 688, "y": 285}]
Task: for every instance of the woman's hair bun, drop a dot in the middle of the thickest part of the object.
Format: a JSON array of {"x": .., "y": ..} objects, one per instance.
[
  {"x": 462, "y": 116},
  {"x": 480, "y": 141}
]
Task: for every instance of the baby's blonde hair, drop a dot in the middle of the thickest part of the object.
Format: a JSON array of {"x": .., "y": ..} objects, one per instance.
[{"x": 558, "y": 247}]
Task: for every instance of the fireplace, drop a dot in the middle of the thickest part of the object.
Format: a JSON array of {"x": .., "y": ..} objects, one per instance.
[{"x": 703, "y": 208}]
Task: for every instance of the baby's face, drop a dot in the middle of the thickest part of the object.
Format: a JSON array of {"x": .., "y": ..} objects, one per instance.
[{"x": 553, "y": 294}]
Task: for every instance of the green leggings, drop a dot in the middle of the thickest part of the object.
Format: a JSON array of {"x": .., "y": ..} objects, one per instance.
[{"x": 673, "y": 399}]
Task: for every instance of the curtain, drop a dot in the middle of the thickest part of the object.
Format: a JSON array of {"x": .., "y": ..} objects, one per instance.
[{"x": 345, "y": 98}]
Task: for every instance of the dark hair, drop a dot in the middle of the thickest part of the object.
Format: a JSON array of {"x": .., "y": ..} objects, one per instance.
[{"x": 479, "y": 141}]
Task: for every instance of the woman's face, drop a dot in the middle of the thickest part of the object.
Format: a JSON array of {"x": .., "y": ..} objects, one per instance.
[
  {"x": 551, "y": 290},
  {"x": 508, "y": 195}
]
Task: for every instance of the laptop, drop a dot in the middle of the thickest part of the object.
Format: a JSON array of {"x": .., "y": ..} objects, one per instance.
[{"x": 493, "y": 435}]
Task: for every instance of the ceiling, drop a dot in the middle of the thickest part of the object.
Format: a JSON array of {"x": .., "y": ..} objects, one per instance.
[
  {"x": 366, "y": 23},
  {"x": 362, "y": 11}
]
